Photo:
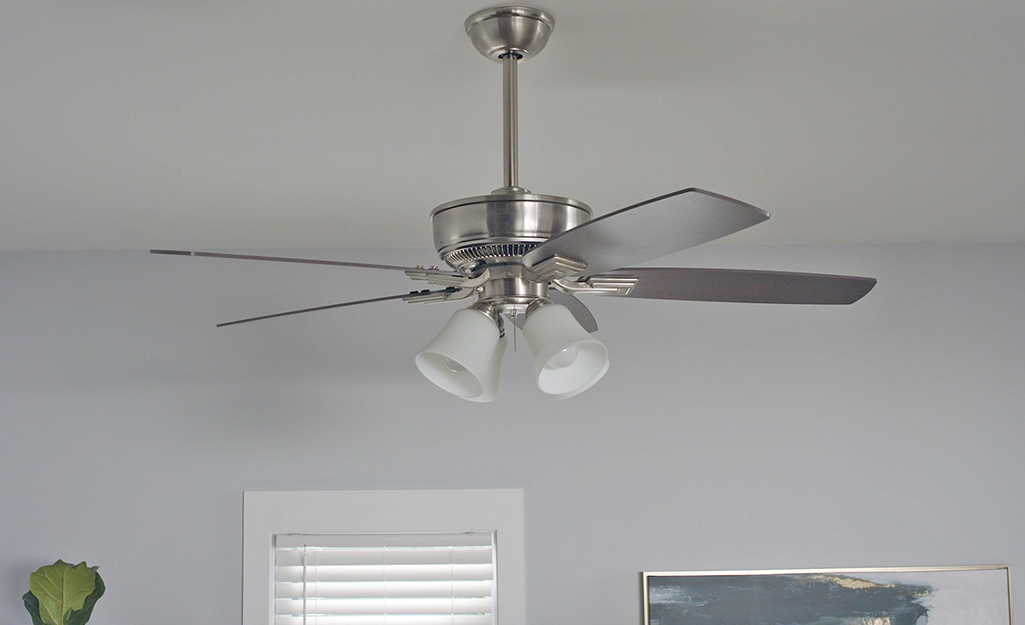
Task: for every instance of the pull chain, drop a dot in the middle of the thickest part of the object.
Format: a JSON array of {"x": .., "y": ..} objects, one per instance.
[{"x": 512, "y": 317}]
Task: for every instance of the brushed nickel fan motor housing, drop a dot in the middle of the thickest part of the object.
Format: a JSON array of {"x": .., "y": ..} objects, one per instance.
[
  {"x": 498, "y": 229},
  {"x": 492, "y": 232},
  {"x": 501, "y": 227}
]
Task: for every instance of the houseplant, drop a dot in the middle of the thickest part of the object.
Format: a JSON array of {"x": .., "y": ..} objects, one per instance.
[{"x": 63, "y": 594}]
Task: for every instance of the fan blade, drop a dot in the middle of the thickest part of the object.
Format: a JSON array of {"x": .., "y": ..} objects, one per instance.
[
  {"x": 648, "y": 230},
  {"x": 743, "y": 285},
  {"x": 308, "y": 261},
  {"x": 330, "y": 306},
  {"x": 575, "y": 306}
]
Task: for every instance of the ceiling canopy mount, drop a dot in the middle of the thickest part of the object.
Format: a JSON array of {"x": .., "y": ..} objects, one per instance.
[{"x": 516, "y": 30}]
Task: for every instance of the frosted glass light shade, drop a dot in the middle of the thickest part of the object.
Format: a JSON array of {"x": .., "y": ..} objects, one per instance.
[
  {"x": 459, "y": 359},
  {"x": 490, "y": 391},
  {"x": 567, "y": 360}
]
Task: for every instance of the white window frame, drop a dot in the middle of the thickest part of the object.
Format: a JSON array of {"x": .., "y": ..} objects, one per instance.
[{"x": 266, "y": 513}]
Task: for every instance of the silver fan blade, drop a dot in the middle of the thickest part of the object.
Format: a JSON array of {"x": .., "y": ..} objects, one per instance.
[
  {"x": 308, "y": 261},
  {"x": 648, "y": 230},
  {"x": 575, "y": 306},
  {"x": 420, "y": 294},
  {"x": 744, "y": 285}
]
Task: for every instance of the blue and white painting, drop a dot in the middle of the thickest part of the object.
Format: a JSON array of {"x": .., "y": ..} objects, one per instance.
[{"x": 940, "y": 596}]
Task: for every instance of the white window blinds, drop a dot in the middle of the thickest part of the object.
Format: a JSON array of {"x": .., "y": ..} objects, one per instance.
[{"x": 384, "y": 579}]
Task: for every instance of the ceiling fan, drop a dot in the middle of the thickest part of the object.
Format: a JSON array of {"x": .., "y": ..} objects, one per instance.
[{"x": 526, "y": 257}]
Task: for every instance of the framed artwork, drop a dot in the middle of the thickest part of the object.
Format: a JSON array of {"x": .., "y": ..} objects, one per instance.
[{"x": 956, "y": 595}]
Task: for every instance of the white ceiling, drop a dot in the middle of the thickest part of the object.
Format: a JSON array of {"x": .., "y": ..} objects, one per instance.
[{"x": 341, "y": 124}]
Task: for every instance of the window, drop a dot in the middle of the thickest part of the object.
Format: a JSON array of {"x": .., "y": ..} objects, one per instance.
[
  {"x": 398, "y": 579},
  {"x": 421, "y": 557}
]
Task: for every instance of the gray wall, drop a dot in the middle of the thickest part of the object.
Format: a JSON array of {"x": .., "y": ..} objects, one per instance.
[{"x": 888, "y": 433}]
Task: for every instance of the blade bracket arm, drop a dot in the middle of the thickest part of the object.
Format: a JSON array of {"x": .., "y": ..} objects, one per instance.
[
  {"x": 598, "y": 285},
  {"x": 448, "y": 278},
  {"x": 433, "y": 275},
  {"x": 448, "y": 294},
  {"x": 556, "y": 267}
]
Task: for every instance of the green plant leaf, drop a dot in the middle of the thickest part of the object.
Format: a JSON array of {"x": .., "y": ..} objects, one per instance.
[
  {"x": 61, "y": 588},
  {"x": 32, "y": 605},
  {"x": 80, "y": 617}
]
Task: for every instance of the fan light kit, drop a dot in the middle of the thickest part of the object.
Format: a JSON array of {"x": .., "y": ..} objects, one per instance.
[{"x": 525, "y": 257}]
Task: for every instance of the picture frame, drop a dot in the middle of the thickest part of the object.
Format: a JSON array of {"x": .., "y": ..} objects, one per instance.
[{"x": 945, "y": 595}]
